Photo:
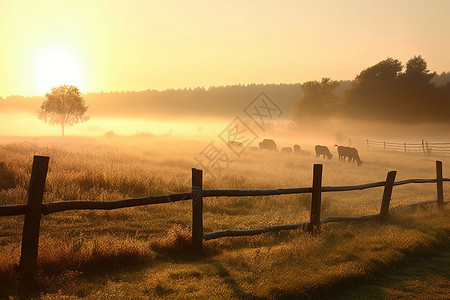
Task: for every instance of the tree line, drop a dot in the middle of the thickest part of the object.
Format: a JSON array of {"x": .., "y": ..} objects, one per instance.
[
  {"x": 385, "y": 91},
  {"x": 215, "y": 102}
]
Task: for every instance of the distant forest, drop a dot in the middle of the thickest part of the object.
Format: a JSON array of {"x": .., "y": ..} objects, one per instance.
[
  {"x": 214, "y": 102},
  {"x": 224, "y": 101},
  {"x": 386, "y": 91}
]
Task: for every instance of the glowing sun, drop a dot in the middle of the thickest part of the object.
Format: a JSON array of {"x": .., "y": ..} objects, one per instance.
[{"x": 56, "y": 66}]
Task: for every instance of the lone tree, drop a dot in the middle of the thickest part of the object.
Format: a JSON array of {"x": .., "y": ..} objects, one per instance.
[{"x": 63, "y": 106}]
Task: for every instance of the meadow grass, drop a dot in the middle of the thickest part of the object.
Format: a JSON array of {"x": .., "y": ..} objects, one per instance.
[
  {"x": 145, "y": 251},
  {"x": 421, "y": 276}
]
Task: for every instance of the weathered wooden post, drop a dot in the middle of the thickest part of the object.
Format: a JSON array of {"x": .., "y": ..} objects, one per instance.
[
  {"x": 30, "y": 236},
  {"x": 423, "y": 146},
  {"x": 197, "y": 209},
  {"x": 384, "y": 211},
  {"x": 314, "y": 220},
  {"x": 367, "y": 143},
  {"x": 404, "y": 143},
  {"x": 439, "y": 185}
]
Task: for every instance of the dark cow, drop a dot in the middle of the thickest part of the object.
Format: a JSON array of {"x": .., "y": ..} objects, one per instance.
[
  {"x": 268, "y": 144},
  {"x": 286, "y": 150},
  {"x": 323, "y": 150},
  {"x": 342, "y": 152},
  {"x": 354, "y": 156},
  {"x": 235, "y": 146},
  {"x": 349, "y": 152},
  {"x": 297, "y": 149}
]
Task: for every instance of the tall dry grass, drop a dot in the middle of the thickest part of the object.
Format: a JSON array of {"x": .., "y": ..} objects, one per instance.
[{"x": 146, "y": 250}]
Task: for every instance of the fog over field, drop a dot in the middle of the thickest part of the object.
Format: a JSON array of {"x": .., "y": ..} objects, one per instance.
[
  {"x": 203, "y": 111},
  {"x": 224, "y": 149}
]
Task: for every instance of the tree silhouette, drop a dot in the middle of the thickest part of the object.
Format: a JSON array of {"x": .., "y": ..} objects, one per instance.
[
  {"x": 383, "y": 92},
  {"x": 374, "y": 90},
  {"x": 318, "y": 99},
  {"x": 63, "y": 106},
  {"x": 417, "y": 67},
  {"x": 384, "y": 71},
  {"x": 419, "y": 95}
]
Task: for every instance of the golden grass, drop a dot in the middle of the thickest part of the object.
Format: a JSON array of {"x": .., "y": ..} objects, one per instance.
[{"x": 145, "y": 251}]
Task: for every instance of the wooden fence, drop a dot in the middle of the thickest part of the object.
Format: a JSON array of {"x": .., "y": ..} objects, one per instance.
[
  {"x": 34, "y": 208},
  {"x": 422, "y": 147}
]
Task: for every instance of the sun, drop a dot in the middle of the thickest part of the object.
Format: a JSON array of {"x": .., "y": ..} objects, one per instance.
[{"x": 57, "y": 66}]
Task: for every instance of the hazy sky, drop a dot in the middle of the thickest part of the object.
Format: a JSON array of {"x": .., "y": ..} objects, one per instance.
[{"x": 137, "y": 45}]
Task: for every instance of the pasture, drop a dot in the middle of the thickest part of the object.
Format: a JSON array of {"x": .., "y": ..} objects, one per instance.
[{"x": 144, "y": 251}]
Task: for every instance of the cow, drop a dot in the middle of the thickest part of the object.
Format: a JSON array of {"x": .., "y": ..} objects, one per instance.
[
  {"x": 268, "y": 144},
  {"x": 349, "y": 152},
  {"x": 341, "y": 152},
  {"x": 323, "y": 150},
  {"x": 354, "y": 156},
  {"x": 297, "y": 149},
  {"x": 286, "y": 150},
  {"x": 235, "y": 146}
]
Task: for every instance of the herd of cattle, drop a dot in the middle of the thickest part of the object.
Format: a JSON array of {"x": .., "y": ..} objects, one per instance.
[{"x": 269, "y": 145}]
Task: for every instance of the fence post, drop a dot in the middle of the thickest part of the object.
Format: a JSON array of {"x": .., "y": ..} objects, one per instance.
[
  {"x": 428, "y": 149},
  {"x": 30, "y": 236},
  {"x": 367, "y": 143},
  {"x": 384, "y": 146},
  {"x": 423, "y": 146},
  {"x": 405, "y": 146},
  {"x": 316, "y": 197},
  {"x": 439, "y": 185},
  {"x": 197, "y": 209},
  {"x": 384, "y": 211}
]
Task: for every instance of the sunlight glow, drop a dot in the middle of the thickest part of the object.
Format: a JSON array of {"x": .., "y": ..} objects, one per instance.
[{"x": 57, "y": 66}]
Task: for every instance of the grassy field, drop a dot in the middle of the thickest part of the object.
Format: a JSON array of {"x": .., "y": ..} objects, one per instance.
[{"x": 145, "y": 252}]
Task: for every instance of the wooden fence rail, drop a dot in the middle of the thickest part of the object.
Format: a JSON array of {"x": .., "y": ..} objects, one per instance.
[
  {"x": 49, "y": 208},
  {"x": 34, "y": 208},
  {"x": 423, "y": 147},
  {"x": 109, "y": 205}
]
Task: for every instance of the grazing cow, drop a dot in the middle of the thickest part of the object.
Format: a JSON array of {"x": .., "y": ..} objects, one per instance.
[
  {"x": 286, "y": 150},
  {"x": 341, "y": 152},
  {"x": 349, "y": 152},
  {"x": 323, "y": 150},
  {"x": 354, "y": 156},
  {"x": 297, "y": 149},
  {"x": 268, "y": 144},
  {"x": 235, "y": 146}
]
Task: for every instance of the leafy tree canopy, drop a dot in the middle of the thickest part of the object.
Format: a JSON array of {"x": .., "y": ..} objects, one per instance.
[
  {"x": 382, "y": 92},
  {"x": 318, "y": 99},
  {"x": 385, "y": 70},
  {"x": 63, "y": 106}
]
